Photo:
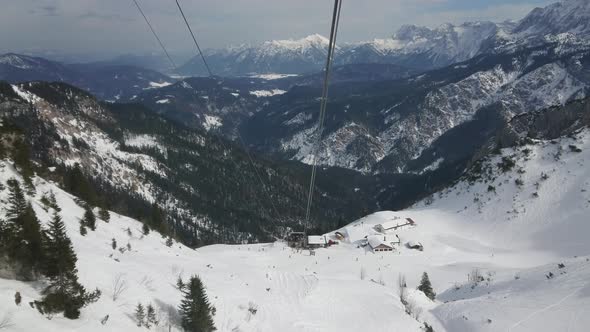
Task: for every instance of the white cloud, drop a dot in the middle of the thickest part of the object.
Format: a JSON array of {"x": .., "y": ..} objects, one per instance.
[{"x": 492, "y": 13}]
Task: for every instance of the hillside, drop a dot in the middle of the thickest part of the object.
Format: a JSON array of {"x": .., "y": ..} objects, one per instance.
[
  {"x": 517, "y": 219},
  {"x": 135, "y": 161}
]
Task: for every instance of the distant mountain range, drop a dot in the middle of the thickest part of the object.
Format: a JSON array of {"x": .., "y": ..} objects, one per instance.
[
  {"x": 106, "y": 81},
  {"x": 412, "y": 47}
]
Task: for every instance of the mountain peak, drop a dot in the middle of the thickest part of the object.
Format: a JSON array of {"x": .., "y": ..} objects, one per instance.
[
  {"x": 565, "y": 16},
  {"x": 18, "y": 60},
  {"x": 314, "y": 40}
]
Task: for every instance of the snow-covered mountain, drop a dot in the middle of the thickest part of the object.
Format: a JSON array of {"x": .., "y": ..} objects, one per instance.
[
  {"x": 411, "y": 47},
  {"x": 385, "y": 126},
  {"x": 567, "y": 16},
  {"x": 137, "y": 158},
  {"x": 415, "y": 47},
  {"x": 425, "y": 48},
  {"x": 505, "y": 249},
  {"x": 26, "y": 68},
  {"x": 110, "y": 82},
  {"x": 276, "y": 56}
]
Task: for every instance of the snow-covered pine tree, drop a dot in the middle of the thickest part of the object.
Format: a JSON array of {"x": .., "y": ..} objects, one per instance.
[
  {"x": 426, "y": 287},
  {"x": 151, "y": 318},
  {"x": 195, "y": 310},
  {"x": 140, "y": 315}
]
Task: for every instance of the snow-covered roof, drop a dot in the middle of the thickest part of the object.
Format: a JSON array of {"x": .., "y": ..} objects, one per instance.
[
  {"x": 355, "y": 232},
  {"x": 396, "y": 222},
  {"x": 377, "y": 240},
  {"x": 412, "y": 243},
  {"x": 392, "y": 223},
  {"x": 316, "y": 239}
]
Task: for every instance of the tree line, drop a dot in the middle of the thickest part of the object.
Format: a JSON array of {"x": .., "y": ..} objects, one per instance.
[{"x": 34, "y": 252}]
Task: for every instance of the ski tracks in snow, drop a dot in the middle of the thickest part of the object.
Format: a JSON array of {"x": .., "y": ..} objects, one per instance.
[{"x": 556, "y": 304}]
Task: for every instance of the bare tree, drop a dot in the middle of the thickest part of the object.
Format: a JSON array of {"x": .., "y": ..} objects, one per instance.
[
  {"x": 6, "y": 321},
  {"x": 475, "y": 276},
  {"x": 119, "y": 286},
  {"x": 402, "y": 285},
  {"x": 147, "y": 282}
]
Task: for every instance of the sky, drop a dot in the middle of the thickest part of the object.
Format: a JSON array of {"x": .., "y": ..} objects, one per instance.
[{"x": 104, "y": 28}]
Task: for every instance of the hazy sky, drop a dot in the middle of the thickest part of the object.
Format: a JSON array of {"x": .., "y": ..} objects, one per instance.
[{"x": 111, "y": 27}]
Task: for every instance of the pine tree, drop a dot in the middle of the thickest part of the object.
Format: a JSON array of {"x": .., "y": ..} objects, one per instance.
[
  {"x": 76, "y": 183},
  {"x": 169, "y": 242},
  {"x": 53, "y": 201},
  {"x": 180, "y": 283},
  {"x": 151, "y": 316},
  {"x": 22, "y": 160},
  {"x": 104, "y": 215},
  {"x": 425, "y": 287},
  {"x": 145, "y": 229},
  {"x": 140, "y": 315},
  {"x": 83, "y": 230},
  {"x": 20, "y": 236},
  {"x": 16, "y": 200},
  {"x": 157, "y": 219},
  {"x": 114, "y": 244},
  {"x": 195, "y": 310},
  {"x": 89, "y": 219},
  {"x": 30, "y": 249},
  {"x": 60, "y": 251},
  {"x": 64, "y": 293}
]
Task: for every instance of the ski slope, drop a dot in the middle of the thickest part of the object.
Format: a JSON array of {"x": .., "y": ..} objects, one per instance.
[{"x": 512, "y": 236}]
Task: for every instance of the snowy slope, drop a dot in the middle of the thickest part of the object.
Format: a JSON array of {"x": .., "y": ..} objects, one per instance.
[
  {"x": 514, "y": 237},
  {"x": 301, "y": 296}
]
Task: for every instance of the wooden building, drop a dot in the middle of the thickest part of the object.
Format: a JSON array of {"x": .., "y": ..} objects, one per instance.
[
  {"x": 379, "y": 243},
  {"x": 316, "y": 241}
]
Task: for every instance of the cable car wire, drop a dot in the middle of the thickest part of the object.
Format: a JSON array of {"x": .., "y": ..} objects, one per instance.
[
  {"x": 220, "y": 139},
  {"x": 323, "y": 105},
  {"x": 194, "y": 38},
  {"x": 157, "y": 38},
  {"x": 250, "y": 159}
]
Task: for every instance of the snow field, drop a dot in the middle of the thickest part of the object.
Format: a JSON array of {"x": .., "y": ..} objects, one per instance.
[{"x": 514, "y": 239}]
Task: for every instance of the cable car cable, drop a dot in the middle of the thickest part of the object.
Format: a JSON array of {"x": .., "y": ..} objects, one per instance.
[{"x": 323, "y": 105}]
